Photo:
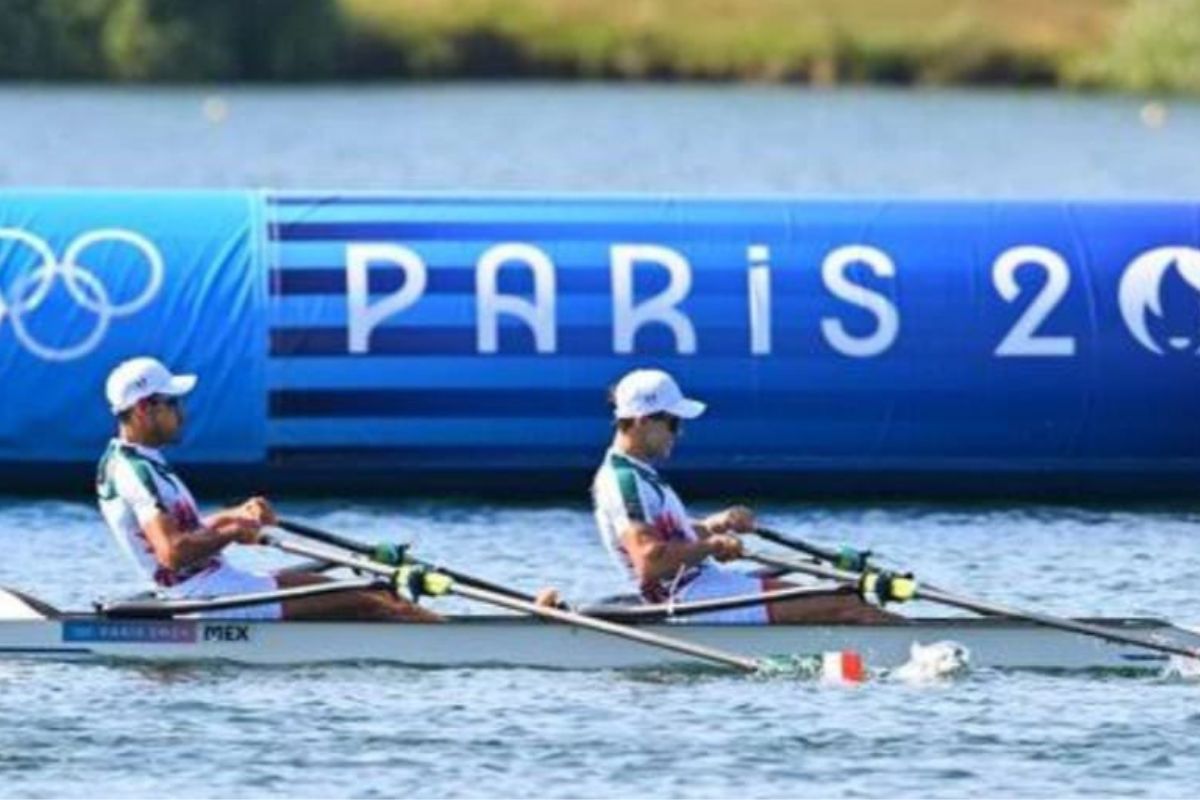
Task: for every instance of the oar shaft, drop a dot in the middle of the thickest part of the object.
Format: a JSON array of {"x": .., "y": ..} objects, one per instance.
[
  {"x": 1065, "y": 623},
  {"x": 987, "y": 609},
  {"x": 480, "y": 583},
  {"x": 656, "y": 611},
  {"x": 817, "y": 570},
  {"x": 775, "y": 537},
  {"x": 333, "y": 556},
  {"x": 610, "y": 628},
  {"x": 515, "y": 604},
  {"x": 326, "y": 537}
]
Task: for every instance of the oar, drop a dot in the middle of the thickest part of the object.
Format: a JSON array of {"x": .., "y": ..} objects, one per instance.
[
  {"x": 390, "y": 555},
  {"x": 891, "y": 587},
  {"x": 657, "y": 611},
  {"x": 846, "y": 558},
  {"x": 421, "y": 578}
]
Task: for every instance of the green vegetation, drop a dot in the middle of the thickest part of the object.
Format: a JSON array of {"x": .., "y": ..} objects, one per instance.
[
  {"x": 1156, "y": 48},
  {"x": 170, "y": 40},
  {"x": 1145, "y": 45},
  {"x": 939, "y": 41}
]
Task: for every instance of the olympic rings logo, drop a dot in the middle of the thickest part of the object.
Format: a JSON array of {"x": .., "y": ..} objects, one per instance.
[{"x": 30, "y": 290}]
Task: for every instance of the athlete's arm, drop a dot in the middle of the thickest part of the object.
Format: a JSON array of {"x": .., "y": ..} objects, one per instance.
[
  {"x": 174, "y": 548},
  {"x": 654, "y": 559},
  {"x": 257, "y": 509},
  {"x": 736, "y": 519}
]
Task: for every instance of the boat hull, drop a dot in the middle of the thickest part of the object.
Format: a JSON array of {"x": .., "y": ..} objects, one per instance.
[{"x": 518, "y": 642}]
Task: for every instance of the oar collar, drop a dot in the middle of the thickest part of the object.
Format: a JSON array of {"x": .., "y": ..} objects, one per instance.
[{"x": 418, "y": 580}]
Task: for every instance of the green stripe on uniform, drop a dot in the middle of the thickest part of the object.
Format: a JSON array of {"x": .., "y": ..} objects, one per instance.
[
  {"x": 627, "y": 482},
  {"x": 144, "y": 469},
  {"x": 104, "y": 486}
]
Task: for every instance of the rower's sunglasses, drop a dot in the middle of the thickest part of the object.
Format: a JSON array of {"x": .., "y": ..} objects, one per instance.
[
  {"x": 672, "y": 422},
  {"x": 170, "y": 401}
]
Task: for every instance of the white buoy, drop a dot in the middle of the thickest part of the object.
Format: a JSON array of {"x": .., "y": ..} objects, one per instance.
[
  {"x": 215, "y": 109},
  {"x": 1154, "y": 115}
]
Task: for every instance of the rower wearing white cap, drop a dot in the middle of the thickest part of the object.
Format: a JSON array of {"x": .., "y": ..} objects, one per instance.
[
  {"x": 646, "y": 528},
  {"x": 156, "y": 522}
]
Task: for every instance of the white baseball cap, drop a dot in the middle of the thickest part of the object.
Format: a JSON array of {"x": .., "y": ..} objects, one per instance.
[
  {"x": 139, "y": 378},
  {"x": 651, "y": 391}
]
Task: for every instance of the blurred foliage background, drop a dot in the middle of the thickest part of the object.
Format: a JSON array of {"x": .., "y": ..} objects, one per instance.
[{"x": 1138, "y": 45}]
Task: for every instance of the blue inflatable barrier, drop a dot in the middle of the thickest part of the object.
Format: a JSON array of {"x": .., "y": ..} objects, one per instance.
[
  {"x": 88, "y": 279},
  {"x": 466, "y": 343}
]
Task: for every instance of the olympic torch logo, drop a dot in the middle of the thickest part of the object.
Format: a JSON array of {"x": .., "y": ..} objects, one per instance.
[{"x": 29, "y": 291}]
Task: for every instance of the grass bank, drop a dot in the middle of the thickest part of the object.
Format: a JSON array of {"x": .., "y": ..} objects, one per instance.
[
  {"x": 1145, "y": 45},
  {"x": 820, "y": 41}
]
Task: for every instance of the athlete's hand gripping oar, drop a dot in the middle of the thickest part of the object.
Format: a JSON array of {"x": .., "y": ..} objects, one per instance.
[
  {"x": 420, "y": 578},
  {"x": 891, "y": 587},
  {"x": 390, "y": 555}
]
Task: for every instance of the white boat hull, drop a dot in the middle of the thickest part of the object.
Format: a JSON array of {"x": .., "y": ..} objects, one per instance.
[{"x": 519, "y": 642}]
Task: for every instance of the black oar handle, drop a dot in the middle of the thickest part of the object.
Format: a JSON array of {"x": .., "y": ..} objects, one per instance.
[
  {"x": 362, "y": 548},
  {"x": 318, "y": 535},
  {"x": 796, "y": 544},
  {"x": 847, "y": 558}
]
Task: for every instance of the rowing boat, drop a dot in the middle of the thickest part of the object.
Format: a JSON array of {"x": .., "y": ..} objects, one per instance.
[{"x": 30, "y": 629}]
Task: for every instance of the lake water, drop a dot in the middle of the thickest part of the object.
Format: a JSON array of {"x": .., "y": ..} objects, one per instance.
[
  {"x": 82, "y": 730},
  {"x": 224, "y": 731},
  {"x": 598, "y": 138}
]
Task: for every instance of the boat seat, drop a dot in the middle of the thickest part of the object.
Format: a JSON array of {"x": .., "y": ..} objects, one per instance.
[
  {"x": 614, "y": 605},
  {"x": 620, "y": 600},
  {"x": 148, "y": 594},
  {"x": 145, "y": 596}
]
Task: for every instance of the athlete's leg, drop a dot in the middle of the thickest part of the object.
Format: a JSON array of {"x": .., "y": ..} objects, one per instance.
[
  {"x": 829, "y": 608},
  {"x": 360, "y": 604}
]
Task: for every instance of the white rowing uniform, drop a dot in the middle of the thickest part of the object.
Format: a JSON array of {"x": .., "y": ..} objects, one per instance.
[
  {"x": 627, "y": 490},
  {"x": 133, "y": 485}
]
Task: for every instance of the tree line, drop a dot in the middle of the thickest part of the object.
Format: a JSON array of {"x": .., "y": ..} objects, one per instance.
[{"x": 1154, "y": 47}]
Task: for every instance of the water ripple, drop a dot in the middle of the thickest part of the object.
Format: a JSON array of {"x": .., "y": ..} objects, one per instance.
[{"x": 376, "y": 730}]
